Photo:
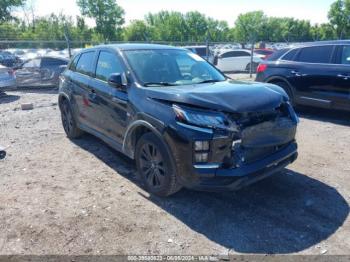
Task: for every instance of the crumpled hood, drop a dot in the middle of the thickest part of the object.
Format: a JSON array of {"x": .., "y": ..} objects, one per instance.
[{"x": 229, "y": 96}]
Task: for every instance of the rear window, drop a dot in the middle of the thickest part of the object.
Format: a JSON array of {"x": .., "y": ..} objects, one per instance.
[
  {"x": 290, "y": 55},
  {"x": 316, "y": 54},
  {"x": 234, "y": 54},
  {"x": 73, "y": 65},
  {"x": 85, "y": 63}
]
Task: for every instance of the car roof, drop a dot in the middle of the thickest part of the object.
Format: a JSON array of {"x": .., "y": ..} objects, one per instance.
[
  {"x": 317, "y": 43},
  {"x": 124, "y": 47},
  {"x": 194, "y": 46}
]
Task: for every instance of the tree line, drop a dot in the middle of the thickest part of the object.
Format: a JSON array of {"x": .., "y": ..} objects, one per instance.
[{"x": 167, "y": 26}]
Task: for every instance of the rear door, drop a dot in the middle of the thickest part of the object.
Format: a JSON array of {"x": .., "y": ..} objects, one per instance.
[
  {"x": 112, "y": 101},
  {"x": 29, "y": 74},
  {"x": 84, "y": 96},
  {"x": 312, "y": 75}
]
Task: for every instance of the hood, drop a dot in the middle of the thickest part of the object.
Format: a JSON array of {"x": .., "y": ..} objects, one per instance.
[{"x": 229, "y": 96}]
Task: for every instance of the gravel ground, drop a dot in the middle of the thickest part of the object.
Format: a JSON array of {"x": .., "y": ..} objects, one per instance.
[{"x": 80, "y": 197}]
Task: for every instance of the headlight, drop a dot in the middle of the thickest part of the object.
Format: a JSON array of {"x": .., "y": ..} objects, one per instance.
[{"x": 215, "y": 120}]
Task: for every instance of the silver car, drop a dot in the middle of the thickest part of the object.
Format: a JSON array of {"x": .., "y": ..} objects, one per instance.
[
  {"x": 40, "y": 72},
  {"x": 7, "y": 78}
]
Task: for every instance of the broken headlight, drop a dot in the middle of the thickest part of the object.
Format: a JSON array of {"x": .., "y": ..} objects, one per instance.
[{"x": 201, "y": 118}]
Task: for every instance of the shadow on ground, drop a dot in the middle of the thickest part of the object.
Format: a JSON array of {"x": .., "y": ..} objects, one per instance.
[
  {"x": 324, "y": 115},
  {"x": 6, "y": 99},
  {"x": 283, "y": 214}
]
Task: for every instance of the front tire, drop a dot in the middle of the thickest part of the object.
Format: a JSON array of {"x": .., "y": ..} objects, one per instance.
[
  {"x": 156, "y": 166},
  {"x": 69, "y": 124}
]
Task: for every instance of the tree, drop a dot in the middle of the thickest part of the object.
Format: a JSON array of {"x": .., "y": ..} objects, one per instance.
[
  {"x": 6, "y": 7},
  {"x": 138, "y": 30},
  {"x": 339, "y": 17},
  {"x": 249, "y": 26},
  {"x": 108, "y": 16}
]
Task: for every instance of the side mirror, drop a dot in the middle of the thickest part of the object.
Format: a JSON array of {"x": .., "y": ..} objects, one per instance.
[{"x": 116, "y": 80}]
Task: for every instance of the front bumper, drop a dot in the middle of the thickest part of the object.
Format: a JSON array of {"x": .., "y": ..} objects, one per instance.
[{"x": 215, "y": 179}]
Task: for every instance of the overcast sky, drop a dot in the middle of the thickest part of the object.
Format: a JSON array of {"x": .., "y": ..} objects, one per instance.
[{"x": 315, "y": 10}]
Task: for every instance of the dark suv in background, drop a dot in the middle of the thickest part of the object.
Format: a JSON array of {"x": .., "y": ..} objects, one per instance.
[
  {"x": 315, "y": 74},
  {"x": 183, "y": 122}
]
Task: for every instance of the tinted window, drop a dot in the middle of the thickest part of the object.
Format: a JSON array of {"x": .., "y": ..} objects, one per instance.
[
  {"x": 235, "y": 54},
  {"x": 315, "y": 54},
  {"x": 73, "y": 65},
  {"x": 52, "y": 62},
  {"x": 345, "y": 56},
  {"x": 32, "y": 63},
  {"x": 85, "y": 63},
  {"x": 107, "y": 64},
  {"x": 290, "y": 56}
]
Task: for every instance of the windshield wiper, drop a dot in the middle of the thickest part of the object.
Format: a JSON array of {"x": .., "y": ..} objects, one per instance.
[
  {"x": 158, "y": 84},
  {"x": 210, "y": 81}
]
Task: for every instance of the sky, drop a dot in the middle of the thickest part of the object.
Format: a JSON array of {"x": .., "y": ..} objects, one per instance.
[{"x": 228, "y": 10}]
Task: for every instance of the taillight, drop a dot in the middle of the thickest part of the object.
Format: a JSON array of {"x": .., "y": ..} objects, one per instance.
[{"x": 261, "y": 68}]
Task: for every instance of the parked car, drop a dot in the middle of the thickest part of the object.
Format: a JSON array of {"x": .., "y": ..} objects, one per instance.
[
  {"x": 7, "y": 78},
  {"x": 236, "y": 60},
  {"x": 314, "y": 74},
  {"x": 9, "y": 60},
  {"x": 264, "y": 53},
  {"x": 184, "y": 127},
  {"x": 202, "y": 51},
  {"x": 40, "y": 71}
]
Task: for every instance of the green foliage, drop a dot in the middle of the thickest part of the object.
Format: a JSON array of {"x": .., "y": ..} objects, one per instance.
[
  {"x": 249, "y": 26},
  {"x": 168, "y": 26},
  {"x": 6, "y": 7},
  {"x": 339, "y": 18},
  {"x": 108, "y": 16}
]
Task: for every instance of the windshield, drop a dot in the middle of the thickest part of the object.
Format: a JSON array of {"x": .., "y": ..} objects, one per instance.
[{"x": 171, "y": 67}]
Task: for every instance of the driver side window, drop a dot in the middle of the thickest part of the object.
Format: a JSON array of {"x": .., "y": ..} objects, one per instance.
[{"x": 107, "y": 64}]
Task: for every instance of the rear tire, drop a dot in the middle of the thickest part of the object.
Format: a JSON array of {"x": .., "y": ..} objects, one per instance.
[
  {"x": 155, "y": 166},
  {"x": 288, "y": 90},
  {"x": 69, "y": 124}
]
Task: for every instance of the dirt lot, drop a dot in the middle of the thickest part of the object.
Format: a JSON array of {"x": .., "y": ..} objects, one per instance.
[{"x": 80, "y": 197}]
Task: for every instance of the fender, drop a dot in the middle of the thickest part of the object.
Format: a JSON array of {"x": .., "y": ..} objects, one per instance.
[{"x": 129, "y": 139}]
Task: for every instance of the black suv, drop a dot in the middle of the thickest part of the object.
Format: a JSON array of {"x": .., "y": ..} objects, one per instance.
[
  {"x": 183, "y": 122},
  {"x": 315, "y": 74}
]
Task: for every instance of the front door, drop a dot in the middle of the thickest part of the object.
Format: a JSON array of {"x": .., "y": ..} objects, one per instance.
[{"x": 112, "y": 101}]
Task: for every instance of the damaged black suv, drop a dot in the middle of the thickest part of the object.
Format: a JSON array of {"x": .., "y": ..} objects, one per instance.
[{"x": 183, "y": 121}]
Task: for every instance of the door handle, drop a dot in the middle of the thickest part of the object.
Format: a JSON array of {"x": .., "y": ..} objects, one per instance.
[
  {"x": 346, "y": 77},
  {"x": 296, "y": 73}
]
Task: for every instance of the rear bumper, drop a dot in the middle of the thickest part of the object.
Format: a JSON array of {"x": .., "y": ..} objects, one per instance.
[{"x": 216, "y": 179}]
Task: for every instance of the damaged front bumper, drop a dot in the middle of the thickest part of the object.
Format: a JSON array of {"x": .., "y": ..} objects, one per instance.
[
  {"x": 262, "y": 145},
  {"x": 214, "y": 178}
]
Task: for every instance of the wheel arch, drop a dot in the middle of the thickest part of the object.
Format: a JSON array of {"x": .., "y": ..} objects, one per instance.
[
  {"x": 278, "y": 79},
  {"x": 134, "y": 132},
  {"x": 62, "y": 97}
]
